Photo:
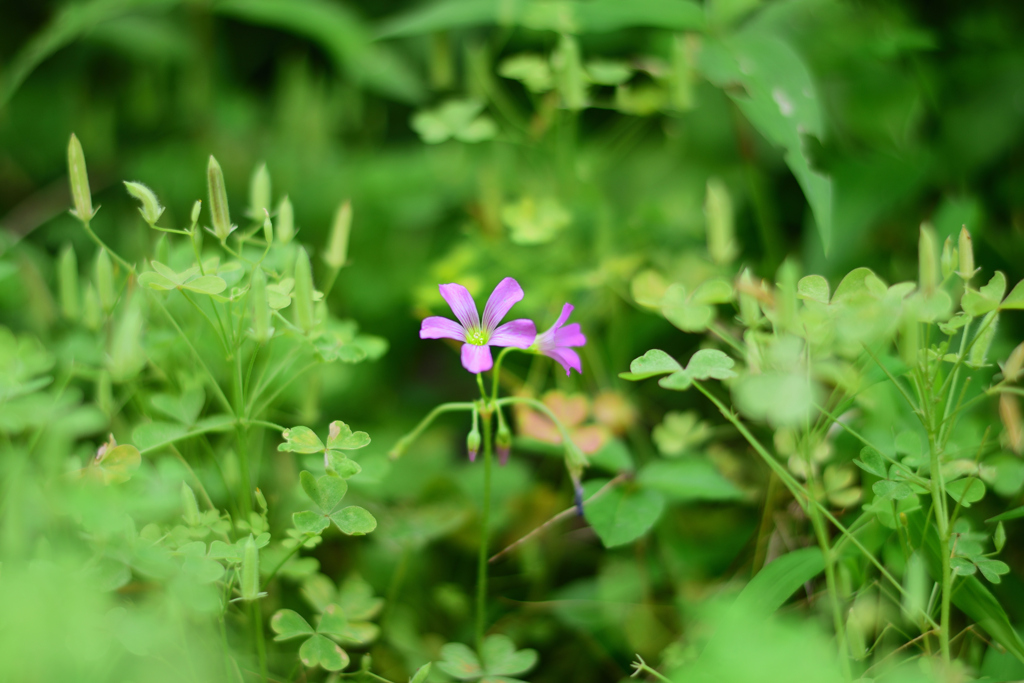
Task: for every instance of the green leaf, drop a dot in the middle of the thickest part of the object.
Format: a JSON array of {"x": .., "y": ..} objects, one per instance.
[
  {"x": 684, "y": 312},
  {"x": 713, "y": 291},
  {"x": 782, "y": 399},
  {"x": 813, "y": 288},
  {"x": 326, "y": 491},
  {"x": 1015, "y": 300},
  {"x": 687, "y": 480},
  {"x": 354, "y": 521},
  {"x": 962, "y": 566},
  {"x": 342, "y": 465},
  {"x": 148, "y": 435},
  {"x": 623, "y": 514},
  {"x": 301, "y": 440},
  {"x": 710, "y": 364},
  {"x": 677, "y": 381},
  {"x": 320, "y": 651},
  {"x": 975, "y": 304},
  {"x": 458, "y": 118},
  {"x": 970, "y": 595},
  {"x": 208, "y": 284},
  {"x": 778, "y": 581},
  {"x": 892, "y": 490},
  {"x": 288, "y": 624},
  {"x": 333, "y": 621},
  {"x": 999, "y": 538},
  {"x": 156, "y": 281},
  {"x": 854, "y": 286},
  {"x": 500, "y": 657},
  {"x": 532, "y": 70},
  {"x": 459, "y": 661},
  {"x": 184, "y": 408},
  {"x": 309, "y": 522},
  {"x": 118, "y": 463},
  {"x": 872, "y": 461},
  {"x": 992, "y": 569},
  {"x": 608, "y": 71},
  {"x": 996, "y": 287},
  {"x": 1015, "y": 513},
  {"x": 966, "y": 491},
  {"x": 342, "y": 437},
  {"x": 654, "y": 362},
  {"x": 421, "y": 674}
]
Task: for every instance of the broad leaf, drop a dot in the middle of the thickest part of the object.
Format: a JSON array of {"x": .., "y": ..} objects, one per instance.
[
  {"x": 623, "y": 515},
  {"x": 320, "y": 651},
  {"x": 686, "y": 480},
  {"x": 654, "y": 362},
  {"x": 301, "y": 440},
  {"x": 354, "y": 521},
  {"x": 288, "y": 624},
  {"x": 326, "y": 491},
  {"x": 710, "y": 364},
  {"x": 500, "y": 657}
]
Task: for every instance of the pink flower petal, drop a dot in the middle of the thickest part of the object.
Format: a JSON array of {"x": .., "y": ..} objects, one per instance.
[
  {"x": 505, "y": 295},
  {"x": 518, "y": 333},
  {"x": 567, "y": 358},
  {"x": 436, "y": 327},
  {"x": 566, "y": 312},
  {"x": 570, "y": 335},
  {"x": 476, "y": 358},
  {"x": 462, "y": 304}
]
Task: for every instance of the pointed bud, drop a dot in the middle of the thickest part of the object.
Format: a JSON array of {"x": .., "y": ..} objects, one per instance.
[
  {"x": 966, "y": 255},
  {"x": 189, "y": 505},
  {"x": 91, "y": 307},
  {"x": 1009, "y": 414},
  {"x": 250, "y": 580},
  {"x": 983, "y": 341},
  {"x": 285, "y": 221},
  {"x": 260, "y": 306},
  {"x": 503, "y": 442},
  {"x": 259, "y": 192},
  {"x": 473, "y": 442},
  {"x": 948, "y": 258},
  {"x": 303, "y": 291},
  {"x": 69, "y": 285},
  {"x": 196, "y": 210},
  {"x": 927, "y": 260},
  {"x": 567, "y": 64},
  {"x": 750, "y": 309},
  {"x": 268, "y": 228},
  {"x": 337, "y": 249},
  {"x": 79, "y": 178},
  {"x": 218, "y": 195},
  {"x": 1013, "y": 365},
  {"x": 150, "y": 209},
  {"x": 721, "y": 233},
  {"x": 261, "y": 500},
  {"x": 105, "y": 280}
]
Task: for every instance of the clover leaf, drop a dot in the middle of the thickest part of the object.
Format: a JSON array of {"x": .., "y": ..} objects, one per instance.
[
  {"x": 326, "y": 492},
  {"x": 498, "y": 660},
  {"x": 317, "y": 649},
  {"x": 163, "y": 278},
  {"x": 459, "y": 118},
  {"x": 340, "y": 438},
  {"x": 22, "y": 359},
  {"x": 113, "y": 464},
  {"x": 705, "y": 364}
]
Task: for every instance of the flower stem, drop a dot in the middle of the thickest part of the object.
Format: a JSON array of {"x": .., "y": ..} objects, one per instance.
[
  {"x": 485, "y": 520},
  {"x": 409, "y": 438}
]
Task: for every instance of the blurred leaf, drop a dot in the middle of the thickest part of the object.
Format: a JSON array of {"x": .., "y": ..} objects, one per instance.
[
  {"x": 289, "y": 624},
  {"x": 531, "y": 70},
  {"x": 779, "y": 580},
  {"x": 459, "y": 119},
  {"x": 654, "y": 362},
  {"x": 319, "y": 651},
  {"x": 813, "y": 288},
  {"x": 500, "y": 657},
  {"x": 342, "y": 34},
  {"x": 710, "y": 364},
  {"x": 966, "y": 491},
  {"x": 623, "y": 515},
  {"x": 686, "y": 480}
]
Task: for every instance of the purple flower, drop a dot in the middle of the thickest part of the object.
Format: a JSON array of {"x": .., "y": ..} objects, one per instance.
[
  {"x": 480, "y": 337},
  {"x": 555, "y": 342}
]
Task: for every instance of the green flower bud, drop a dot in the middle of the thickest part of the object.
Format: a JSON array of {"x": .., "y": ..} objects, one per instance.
[
  {"x": 721, "y": 231},
  {"x": 473, "y": 442},
  {"x": 750, "y": 309},
  {"x": 67, "y": 274},
  {"x": 91, "y": 315},
  {"x": 285, "y": 221},
  {"x": 105, "y": 280},
  {"x": 268, "y": 228},
  {"x": 218, "y": 195},
  {"x": 259, "y": 192},
  {"x": 948, "y": 258},
  {"x": 966, "y": 255},
  {"x": 250, "y": 580},
  {"x": 983, "y": 342},
  {"x": 567, "y": 64},
  {"x": 196, "y": 209},
  {"x": 260, "y": 307},
  {"x": 927, "y": 260},
  {"x": 1013, "y": 365},
  {"x": 303, "y": 291},
  {"x": 189, "y": 505},
  {"x": 337, "y": 249},
  {"x": 261, "y": 500},
  {"x": 150, "y": 209},
  {"x": 79, "y": 178}
]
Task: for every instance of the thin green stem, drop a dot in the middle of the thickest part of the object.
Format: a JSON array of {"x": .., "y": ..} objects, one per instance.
[
  {"x": 95, "y": 238},
  {"x": 938, "y": 490},
  {"x": 485, "y": 521},
  {"x": 496, "y": 374},
  {"x": 409, "y": 438},
  {"x": 256, "y": 613}
]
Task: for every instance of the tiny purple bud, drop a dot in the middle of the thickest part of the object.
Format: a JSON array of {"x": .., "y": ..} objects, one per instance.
[
  {"x": 473, "y": 443},
  {"x": 578, "y": 496}
]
